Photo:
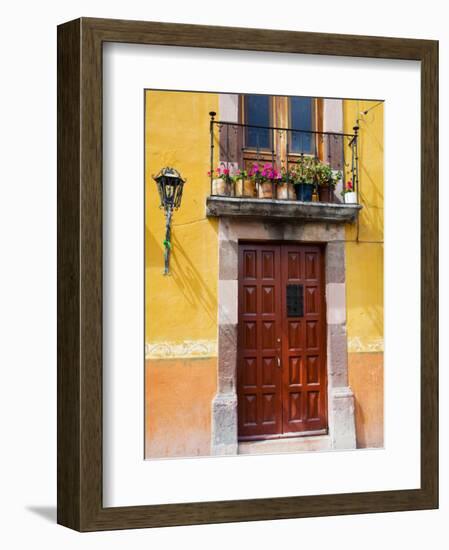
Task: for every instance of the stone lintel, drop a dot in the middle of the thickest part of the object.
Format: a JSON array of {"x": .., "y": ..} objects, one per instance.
[{"x": 231, "y": 230}]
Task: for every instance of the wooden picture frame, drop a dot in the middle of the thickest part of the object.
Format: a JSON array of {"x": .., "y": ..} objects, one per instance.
[{"x": 80, "y": 504}]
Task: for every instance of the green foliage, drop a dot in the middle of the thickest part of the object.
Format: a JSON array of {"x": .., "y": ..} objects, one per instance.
[
  {"x": 240, "y": 174},
  {"x": 325, "y": 175},
  {"x": 307, "y": 169},
  {"x": 304, "y": 171}
]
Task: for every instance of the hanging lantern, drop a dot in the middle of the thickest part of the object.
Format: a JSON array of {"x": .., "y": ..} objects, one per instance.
[{"x": 169, "y": 185}]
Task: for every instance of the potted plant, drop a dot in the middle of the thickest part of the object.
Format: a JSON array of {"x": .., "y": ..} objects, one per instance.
[
  {"x": 326, "y": 179},
  {"x": 221, "y": 182},
  {"x": 304, "y": 178},
  {"x": 285, "y": 188},
  {"x": 275, "y": 177},
  {"x": 244, "y": 186},
  {"x": 349, "y": 195},
  {"x": 263, "y": 177}
]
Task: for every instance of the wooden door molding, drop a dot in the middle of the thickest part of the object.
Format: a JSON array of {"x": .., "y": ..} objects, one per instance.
[
  {"x": 340, "y": 399},
  {"x": 281, "y": 370}
]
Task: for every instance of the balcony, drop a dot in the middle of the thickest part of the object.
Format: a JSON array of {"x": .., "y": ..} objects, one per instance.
[
  {"x": 281, "y": 209},
  {"x": 263, "y": 172}
]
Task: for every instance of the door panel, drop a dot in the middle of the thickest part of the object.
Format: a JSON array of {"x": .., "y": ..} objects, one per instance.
[
  {"x": 305, "y": 341},
  {"x": 281, "y": 341},
  {"x": 259, "y": 393}
]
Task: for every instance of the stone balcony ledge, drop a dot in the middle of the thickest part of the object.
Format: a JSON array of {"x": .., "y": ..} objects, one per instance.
[{"x": 275, "y": 209}]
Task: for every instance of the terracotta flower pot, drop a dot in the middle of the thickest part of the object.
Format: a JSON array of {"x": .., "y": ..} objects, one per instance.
[
  {"x": 326, "y": 193},
  {"x": 245, "y": 188},
  {"x": 285, "y": 191},
  {"x": 220, "y": 186},
  {"x": 291, "y": 192},
  {"x": 282, "y": 191},
  {"x": 265, "y": 190}
]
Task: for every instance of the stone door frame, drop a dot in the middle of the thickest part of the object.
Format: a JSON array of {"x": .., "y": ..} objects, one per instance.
[{"x": 224, "y": 440}]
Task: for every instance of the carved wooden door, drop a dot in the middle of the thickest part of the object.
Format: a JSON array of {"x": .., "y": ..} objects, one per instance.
[{"x": 281, "y": 341}]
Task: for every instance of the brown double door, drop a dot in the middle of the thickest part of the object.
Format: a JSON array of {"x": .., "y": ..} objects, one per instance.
[{"x": 281, "y": 341}]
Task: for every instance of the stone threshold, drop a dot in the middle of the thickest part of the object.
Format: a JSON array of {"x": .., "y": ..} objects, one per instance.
[
  {"x": 285, "y": 445},
  {"x": 275, "y": 209}
]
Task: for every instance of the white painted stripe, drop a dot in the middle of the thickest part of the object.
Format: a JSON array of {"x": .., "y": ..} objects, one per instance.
[
  {"x": 179, "y": 350},
  {"x": 360, "y": 345}
]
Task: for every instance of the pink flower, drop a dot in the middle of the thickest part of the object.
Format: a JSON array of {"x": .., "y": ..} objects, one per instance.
[
  {"x": 226, "y": 171},
  {"x": 254, "y": 169}
]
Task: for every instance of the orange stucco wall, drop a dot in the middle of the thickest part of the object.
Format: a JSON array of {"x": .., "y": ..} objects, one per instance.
[
  {"x": 366, "y": 380},
  {"x": 178, "y": 412}
]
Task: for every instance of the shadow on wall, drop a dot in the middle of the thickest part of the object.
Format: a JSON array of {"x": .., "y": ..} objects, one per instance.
[
  {"x": 360, "y": 426},
  {"x": 372, "y": 314},
  {"x": 369, "y": 431},
  {"x": 369, "y": 182},
  {"x": 189, "y": 279},
  {"x": 371, "y": 216},
  {"x": 366, "y": 122},
  {"x": 154, "y": 251},
  {"x": 366, "y": 379}
]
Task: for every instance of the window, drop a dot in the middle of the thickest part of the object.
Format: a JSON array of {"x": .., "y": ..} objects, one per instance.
[
  {"x": 258, "y": 112},
  {"x": 303, "y": 114},
  {"x": 301, "y": 117}
]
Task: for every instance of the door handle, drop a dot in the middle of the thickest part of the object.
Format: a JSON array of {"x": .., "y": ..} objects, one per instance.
[{"x": 278, "y": 361}]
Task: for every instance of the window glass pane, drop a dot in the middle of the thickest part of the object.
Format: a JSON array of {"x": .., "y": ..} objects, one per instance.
[
  {"x": 258, "y": 113},
  {"x": 301, "y": 118}
]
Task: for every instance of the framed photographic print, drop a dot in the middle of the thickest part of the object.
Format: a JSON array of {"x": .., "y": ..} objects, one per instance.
[{"x": 247, "y": 274}]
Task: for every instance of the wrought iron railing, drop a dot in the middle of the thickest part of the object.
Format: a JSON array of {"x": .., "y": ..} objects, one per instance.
[{"x": 241, "y": 145}]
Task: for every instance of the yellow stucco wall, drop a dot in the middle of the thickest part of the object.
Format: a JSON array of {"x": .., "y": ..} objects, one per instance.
[
  {"x": 364, "y": 275},
  {"x": 364, "y": 242},
  {"x": 183, "y": 305}
]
